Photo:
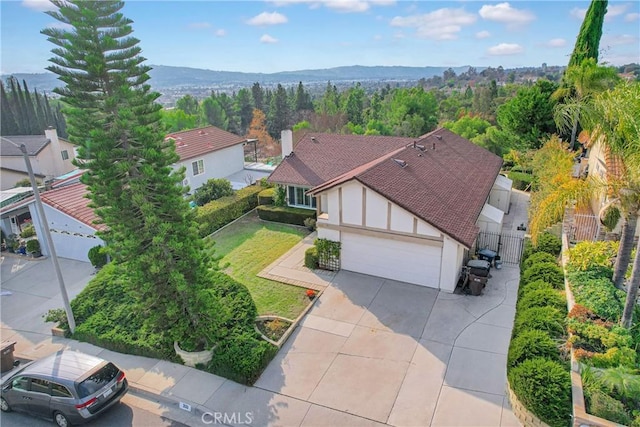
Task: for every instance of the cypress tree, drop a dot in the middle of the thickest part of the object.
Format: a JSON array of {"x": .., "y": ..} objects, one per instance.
[
  {"x": 20, "y": 107},
  {"x": 113, "y": 117},
  {"x": 40, "y": 113},
  {"x": 34, "y": 127},
  {"x": 9, "y": 124},
  {"x": 588, "y": 41}
]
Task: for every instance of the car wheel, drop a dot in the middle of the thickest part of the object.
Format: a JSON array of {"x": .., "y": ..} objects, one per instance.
[
  {"x": 61, "y": 420},
  {"x": 4, "y": 405}
]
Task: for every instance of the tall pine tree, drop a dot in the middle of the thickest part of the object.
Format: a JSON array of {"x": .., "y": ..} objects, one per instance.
[
  {"x": 588, "y": 41},
  {"x": 114, "y": 118}
]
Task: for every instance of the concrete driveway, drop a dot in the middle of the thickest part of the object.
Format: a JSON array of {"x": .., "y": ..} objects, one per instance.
[{"x": 375, "y": 351}]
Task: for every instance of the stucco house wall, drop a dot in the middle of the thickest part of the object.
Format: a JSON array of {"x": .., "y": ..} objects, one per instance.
[{"x": 217, "y": 164}]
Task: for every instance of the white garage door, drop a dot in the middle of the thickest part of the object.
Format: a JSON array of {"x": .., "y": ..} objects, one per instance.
[
  {"x": 73, "y": 247},
  {"x": 392, "y": 259}
]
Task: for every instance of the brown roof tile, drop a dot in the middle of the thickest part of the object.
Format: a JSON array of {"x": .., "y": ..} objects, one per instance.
[
  {"x": 72, "y": 200},
  {"x": 327, "y": 156},
  {"x": 197, "y": 142},
  {"x": 446, "y": 186}
]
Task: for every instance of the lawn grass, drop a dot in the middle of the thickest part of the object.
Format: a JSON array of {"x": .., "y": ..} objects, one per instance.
[{"x": 247, "y": 247}]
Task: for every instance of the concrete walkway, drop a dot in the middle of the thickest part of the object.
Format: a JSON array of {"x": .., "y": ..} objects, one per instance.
[{"x": 370, "y": 352}]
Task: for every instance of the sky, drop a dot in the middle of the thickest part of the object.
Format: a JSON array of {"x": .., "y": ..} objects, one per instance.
[{"x": 288, "y": 35}]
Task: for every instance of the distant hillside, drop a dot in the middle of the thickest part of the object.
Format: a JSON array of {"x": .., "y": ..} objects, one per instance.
[{"x": 165, "y": 77}]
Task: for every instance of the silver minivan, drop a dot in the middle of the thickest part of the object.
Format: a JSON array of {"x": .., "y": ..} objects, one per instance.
[{"x": 68, "y": 386}]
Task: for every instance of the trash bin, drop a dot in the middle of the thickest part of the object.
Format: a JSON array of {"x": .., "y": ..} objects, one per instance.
[
  {"x": 476, "y": 284},
  {"x": 6, "y": 356},
  {"x": 497, "y": 262},
  {"x": 479, "y": 267},
  {"x": 487, "y": 254}
]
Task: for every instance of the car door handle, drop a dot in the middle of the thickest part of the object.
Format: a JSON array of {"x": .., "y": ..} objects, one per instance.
[{"x": 27, "y": 398}]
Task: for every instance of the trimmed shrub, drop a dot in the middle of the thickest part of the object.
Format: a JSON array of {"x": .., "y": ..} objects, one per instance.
[
  {"x": 605, "y": 406},
  {"x": 532, "y": 287},
  {"x": 28, "y": 231},
  {"x": 587, "y": 255},
  {"x": 549, "y": 243},
  {"x": 265, "y": 197},
  {"x": 285, "y": 214},
  {"x": 213, "y": 189},
  {"x": 538, "y": 258},
  {"x": 98, "y": 256},
  {"x": 242, "y": 357},
  {"x": 33, "y": 245},
  {"x": 311, "y": 258},
  {"x": 546, "y": 319},
  {"x": 529, "y": 345},
  {"x": 545, "y": 297},
  {"x": 544, "y": 387},
  {"x": 521, "y": 181},
  {"x": 218, "y": 213},
  {"x": 597, "y": 294},
  {"x": 547, "y": 271}
]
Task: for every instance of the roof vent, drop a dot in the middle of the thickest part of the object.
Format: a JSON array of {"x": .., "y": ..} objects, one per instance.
[
  {"x": 402, "y": 163},
  {"x": 313, "y": 138},
  {"x": 439, "y": 137},
  {"x": 202, "y": 132},
  {"x": 434, "y": 146},
  {"x": 421, "y": 147}
]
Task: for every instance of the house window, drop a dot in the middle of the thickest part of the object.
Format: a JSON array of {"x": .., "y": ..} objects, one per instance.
[
  {"x": 298, "y": 198},
  {"x": 198, "y": 167},
  {"x": 65, "y": 155}
]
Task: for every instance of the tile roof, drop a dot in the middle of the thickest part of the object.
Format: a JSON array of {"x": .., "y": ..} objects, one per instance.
[
  {"x": 34, "y": 144},
  {"x": 72, "y": 200},
  {"x": 197, "y": 142},
  {"x": 320, "y": 157},
  {"x": 446, "y": 186}
]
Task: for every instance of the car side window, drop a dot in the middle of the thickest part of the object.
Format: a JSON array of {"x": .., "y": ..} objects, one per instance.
[
  {"x": 40, "y": 386},
  {"x": 20, "y": 383},
  {"x": 58, "y": 390}
]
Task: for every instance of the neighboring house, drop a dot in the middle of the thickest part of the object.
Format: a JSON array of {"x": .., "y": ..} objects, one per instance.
[
  {"x": 210, "y": 152},
  {"x": 50, "y": 156},
  {"x": 403, "y": 208},
  {"x": 598, "y": 161},
  {"x": 69, "y": 218}
]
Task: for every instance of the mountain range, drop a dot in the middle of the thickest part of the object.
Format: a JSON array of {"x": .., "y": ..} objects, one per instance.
[{"x": 165, "y": 77}]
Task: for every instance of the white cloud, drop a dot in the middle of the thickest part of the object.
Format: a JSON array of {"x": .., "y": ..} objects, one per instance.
[
  {"x": 505, "y": 49},
  {"x": 267, "y": 39},
  {"x": 266, "y": 18},
  {"x": 345, "y": 6},
  {"x": 199, "y": 26},
  {"x": 505, "y": 14},
  {"x": 221, "y": 32},
  {"x": 441, "y": 24},
  {"x": 578, "y": 13},
  {"x": 39, "y": 5},
  {"x": 614, "y": 10},
  {"x": 483, "y": 34},
  {"x": 556, "y": 43},
  {"x": 617, "y": 40},
  {"x": 630, "y": 17}
]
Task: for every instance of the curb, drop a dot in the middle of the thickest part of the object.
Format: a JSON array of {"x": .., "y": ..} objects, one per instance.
[{"x": 173, "y": 405}]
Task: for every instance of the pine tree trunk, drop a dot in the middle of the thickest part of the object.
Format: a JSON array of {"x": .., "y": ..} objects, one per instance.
[
  {"x": 632, "y": 291},
  {"x": 629, "y": 224}
]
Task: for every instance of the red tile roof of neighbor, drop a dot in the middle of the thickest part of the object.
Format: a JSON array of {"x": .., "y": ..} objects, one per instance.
[
  {"x": 72, "y": 200},
  {"x": 197, "y": 142},
  {"x": 446, "y": 186}
]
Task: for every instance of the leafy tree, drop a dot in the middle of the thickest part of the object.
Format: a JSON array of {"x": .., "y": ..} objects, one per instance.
[
  {"x": 468, "y": 127},
  {"x": 279, "y": 112},
  {"x": 495, "y": 140},
  {"x": 258, "y": 96},
  {"x": 588, "y": 41},
  {"x": 176, "y": 120},
  {"x": 244, "y": 106},
  {"x": 258, "y": 130},
  {"x": 411, "y": 112},
  {"x": 354, "y": 104},
  {"x": 528, "y": 117},
  {"x": 214, "y": 114},
  {"x": 329, "y": 103},
  {"x": 213, "y": 189},
  {"x": 584, "y": 80},
  {"x": 114, "y": 119},
  {"x": 188, "y": 104}
]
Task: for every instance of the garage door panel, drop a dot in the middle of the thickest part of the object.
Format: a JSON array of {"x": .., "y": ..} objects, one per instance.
[{"x": 392, "y": 259}]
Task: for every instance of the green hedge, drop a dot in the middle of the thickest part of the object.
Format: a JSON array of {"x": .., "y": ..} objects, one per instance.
[
  {"x": 218, "y": 213},
  {"x": 525, "y": 288},
  {"x": 531, "y": 344},
  {"x": 542, "y": 298},
  {"x": 537, "y": 258},
  {"x": 520, "y": 180},
  {"x": 544, "y": 387},
  {"x": 547, "y": 271},
  {"x": 285, "y": 214},
  {"x": 547, "y": 319},
  {"x": 597, "y": 293},
  {"x": 311, "y": 258},
  {"x": 265, "y": 197}
]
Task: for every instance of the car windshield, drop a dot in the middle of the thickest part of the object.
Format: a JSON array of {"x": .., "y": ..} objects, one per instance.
[{"x": 97, "y": 380}]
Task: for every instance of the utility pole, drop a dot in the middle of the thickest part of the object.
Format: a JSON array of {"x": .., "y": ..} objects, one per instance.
[{"x": 47, "y": 234}]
